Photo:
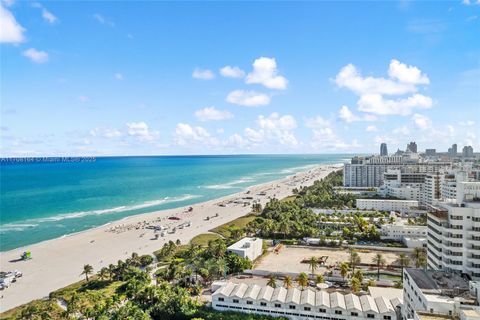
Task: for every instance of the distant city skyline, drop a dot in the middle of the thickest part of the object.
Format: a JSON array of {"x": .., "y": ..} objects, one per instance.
[{"x": 166, "y": 78}]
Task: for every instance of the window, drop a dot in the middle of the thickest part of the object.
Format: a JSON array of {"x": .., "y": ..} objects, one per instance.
[
  {"x": 263, "y": 304},
  {"x": 355, "y": 314},
  {"x": 235, "y": 300},
  {"x": 278, "y": 305},
  {"x": 371, "y": 316},
  {"x": 307, "y": 309},
  {"x": 322, "y": 310},
  {"x": 221, "y": 299},
  {"x": 291, "y": 307},
  {"x": 249, "y": 302},
  {"x": 338, "y": 312},
  {"x": 387, "y": 317}
]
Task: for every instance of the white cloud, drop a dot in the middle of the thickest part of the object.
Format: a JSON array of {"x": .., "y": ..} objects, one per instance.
[
  {"x": 349, "y": 77},
  {"x": 326, "y": 139},
  {"x": 211, "y": 113},
  {"x": 105, "y": 133},
  {"x": 346, "y": 115},
  {"x": 118, "y": 76},
  {"x": 203, "y": 74},
  {"x": 46, "y": 15},
  {"x": 141, "y": 131},
  {"x": 403, "y": 80},
  {"x": 10, "y": 30},
  {"x": 103, "y": 20},
  {"x": 35, "y": 55},
  {"x": 232, "y": 72},
  {"x": 377, "y": 104},
  {"x": 185, "y": 134},
  {"x": 422, "y": 122},
  {"x": 265, "y": 72},
  {"x": 84, "y": 98},
  {"x": 467, "y": 123},
  {"x": 406, "y": 74},
  {"x": 248, "y": 98},
  {"x": 469, "y": 2},
  {"x": 401, "y": 130},
  {"x": 317, "y": 122},
  {"x": 371, "y": 129}
]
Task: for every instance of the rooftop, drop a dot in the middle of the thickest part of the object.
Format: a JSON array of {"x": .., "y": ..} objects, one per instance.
[
  {"x": 379, "y": 304},
  {"x": 243, "y": 243},
  {"x": 439, "y": 282}
]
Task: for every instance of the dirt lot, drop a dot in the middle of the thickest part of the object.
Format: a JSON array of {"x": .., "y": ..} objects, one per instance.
[{"x": 289, "y": 258}]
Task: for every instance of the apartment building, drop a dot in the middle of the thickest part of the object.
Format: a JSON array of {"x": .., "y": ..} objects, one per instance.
[
  {"x": 453, "y": 234},
  {"x": 411, "y": 235},
  {"x": 435, "y": 293},
  {"x": 296, "y": 304},
  {"x": 250, "y": 248},
  {"x": 386, "y": 205}
]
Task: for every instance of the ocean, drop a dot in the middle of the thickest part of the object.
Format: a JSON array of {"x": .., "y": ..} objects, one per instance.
[{"x": 44, "y": 199}]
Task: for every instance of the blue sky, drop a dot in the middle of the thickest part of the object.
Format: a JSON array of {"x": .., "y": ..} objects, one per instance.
[{"x": 138, "y": 78}]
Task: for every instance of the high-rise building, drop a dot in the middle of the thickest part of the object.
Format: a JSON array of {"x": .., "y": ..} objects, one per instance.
[
  {"x": 383, "y": 149},
  {"x": 467, "y": 152},
  {"x": 412, "y": 147},
  {"x": 454, "y": 232},
  {"x": 452, "y": 152}
]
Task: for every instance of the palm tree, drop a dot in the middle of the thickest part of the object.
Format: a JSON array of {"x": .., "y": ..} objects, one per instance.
[
  {"x": 319, "y": 279},
  {"x": 355, "y": 283},
  {"x": 420, "y": 257},
  {"x": 379, "y": 261},
  {"x": 404, "y": 261},
  {"x": 354, "y": 259},
  {"x": 313, "y": 263},
  {"x": 358, "y": 274},
  {"x": 87, "y": 270},
  {"x": 103, "y": 273},
  {"x": 287, "y": 282},
  {"x": 272, "y": 281},
  {"x": 343, "y": 270},
  {"x": 284, "y": 227},
  {"x": 302, "y": 280}
]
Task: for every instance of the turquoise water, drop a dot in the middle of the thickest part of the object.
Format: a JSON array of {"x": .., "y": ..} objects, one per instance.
[{"x": 42, "y": 200}]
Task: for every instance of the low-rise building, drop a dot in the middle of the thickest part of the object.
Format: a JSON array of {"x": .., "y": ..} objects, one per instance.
[
  {"x": 296, "y": 304},
  {"x": 411, "y": 235},
  {"x": 250, "y": 248},
  {"x": 386, "y": 204}
]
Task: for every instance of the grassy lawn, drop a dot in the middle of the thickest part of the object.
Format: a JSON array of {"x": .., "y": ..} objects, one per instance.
[
  {"x": 289, "y": 198},
  {"x": 240, "y": 223},
  {"x": 204, "y": 238}
]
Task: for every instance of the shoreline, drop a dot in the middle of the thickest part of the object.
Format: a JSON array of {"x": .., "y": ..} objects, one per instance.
[{"x": 58, "y": 262}]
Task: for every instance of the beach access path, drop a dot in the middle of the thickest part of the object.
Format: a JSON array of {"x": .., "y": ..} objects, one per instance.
[{"x": 59, "y": 262}]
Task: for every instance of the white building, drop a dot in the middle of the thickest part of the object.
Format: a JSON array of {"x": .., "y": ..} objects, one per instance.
[
  {"x": 435, "y": 292},
  {"x": 454, "y": 232},
  {"x": 386, "y": 205},
  {"x": 411, "y": 235},
  {"x": 250, "y": 248},
  {"x": 305, "y": 304}
]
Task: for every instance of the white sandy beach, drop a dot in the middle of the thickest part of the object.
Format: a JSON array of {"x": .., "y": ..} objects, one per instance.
[{"x": 59, "y": 262}]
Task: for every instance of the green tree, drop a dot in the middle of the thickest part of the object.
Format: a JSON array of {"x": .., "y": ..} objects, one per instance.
[
  {"x": 313, "y": 264},
  {"x": 354, "y": 259},
  {"x": 343, "y": 270},
  {"x": 287, "y": 282},
  {"x": 379, "y": 261},
  {"x": 319, "y": 279},
  {"x": 404, "y": 261},
  {"x": 355, "y": 284},
  {"x": 302, "y": 280},
  {"x": 420, "y": 257},
  {"x": 87, "y": 270},
  {"x": 272, "y": 281}
]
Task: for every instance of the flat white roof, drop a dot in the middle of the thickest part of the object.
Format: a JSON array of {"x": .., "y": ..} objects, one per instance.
[{"x": 239, "y": 245}]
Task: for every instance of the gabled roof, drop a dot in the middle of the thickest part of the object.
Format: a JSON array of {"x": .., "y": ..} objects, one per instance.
[
  {"x": 293, "y": 295},
  {"x": 322, "y": 299},
  {"x": 307, "y": 297},
  {"x": 226, "y": 289},
  {"x": 352, "y": 302},
  {"x": 265, "y": 293},
  {"x": 384, "y": 305},
  {"x": 252, "y": 291},
  {"x": 368, "y": 304},
  {"x": 279, "y": 294},
  {"x": 239, "y": 290},
  {"x": 337, "y": 300}
]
